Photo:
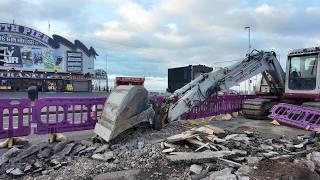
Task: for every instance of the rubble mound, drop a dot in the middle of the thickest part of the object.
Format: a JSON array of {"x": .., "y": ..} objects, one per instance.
[{"x": 175, "y": 152}]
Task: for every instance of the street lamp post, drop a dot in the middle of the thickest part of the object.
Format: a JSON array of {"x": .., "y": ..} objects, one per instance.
[
  {"x": 249, "y": 34},
  {"x": 249, "y": 50},
  {"x": 107, "y": 83}
]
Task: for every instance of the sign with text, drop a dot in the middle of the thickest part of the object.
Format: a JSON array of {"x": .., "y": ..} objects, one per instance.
[
  {"x": 74, "y": 61},
  {"x": 30, "y": 58},
  {"x": 21, "y": 34}
]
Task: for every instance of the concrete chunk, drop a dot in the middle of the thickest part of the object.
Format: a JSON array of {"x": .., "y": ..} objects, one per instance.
[
  {"x": 119, "y": 175},
  {"x": 199, "y": 157},
  {"x": 196, "y": 169}
]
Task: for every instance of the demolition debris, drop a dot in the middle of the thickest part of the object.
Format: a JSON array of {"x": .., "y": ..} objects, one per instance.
[{"x": 176, "y": 152}]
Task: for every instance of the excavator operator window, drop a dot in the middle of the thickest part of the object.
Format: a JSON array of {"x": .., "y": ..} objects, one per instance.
[{"x": 303, "y": 72}]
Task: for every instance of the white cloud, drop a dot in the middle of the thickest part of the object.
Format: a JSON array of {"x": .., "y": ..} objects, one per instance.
[
  {"x": 111, "y": 31},
  {"x": 173, "y": 36},
  {"x": 264, "y": 9},
  {"x": 136, "y": 17}
]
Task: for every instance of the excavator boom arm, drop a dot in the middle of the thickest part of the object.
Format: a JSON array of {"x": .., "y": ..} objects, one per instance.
[{"x": 207, "y": 84}]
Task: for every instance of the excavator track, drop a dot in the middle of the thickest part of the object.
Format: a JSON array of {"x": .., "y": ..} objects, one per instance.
[
  {"x": 315, "y": 105},
  {"x": 257, "y": 108}
]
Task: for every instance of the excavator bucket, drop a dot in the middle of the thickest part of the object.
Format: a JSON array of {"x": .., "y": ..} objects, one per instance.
[{"x": 125, "y": 107}]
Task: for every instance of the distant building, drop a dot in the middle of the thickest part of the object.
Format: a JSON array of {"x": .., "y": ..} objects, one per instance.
[
  {"x": 31, "y": 58},
  {"x": 178, "y": 77}
]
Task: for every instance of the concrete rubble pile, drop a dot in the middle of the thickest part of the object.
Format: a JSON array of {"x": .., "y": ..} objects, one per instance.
[
  {"x": 205, "y": 152},
  {"x": 44, "y": 157},
  {"x": 214, "y": 153}
]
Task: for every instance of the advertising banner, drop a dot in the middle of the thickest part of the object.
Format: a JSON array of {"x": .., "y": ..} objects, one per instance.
[
  {"x": 29, "y": 58},
  {"x": 11, "y": 56}
]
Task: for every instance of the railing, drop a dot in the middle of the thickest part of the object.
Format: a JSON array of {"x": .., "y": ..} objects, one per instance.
[
  {"x": 303, "y": 117},
  {"x": 215, "y": 105},
  {"x": 53, "y": 115},
  {"x": 15, "y": 117},
  {"x": 63, "y": 114}
]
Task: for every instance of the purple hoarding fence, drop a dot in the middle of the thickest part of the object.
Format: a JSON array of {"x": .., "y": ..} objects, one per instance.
[
  {"x": 15, "y": 117},
  {"x": 303, "y": 117},
  {"x": 64, "y": 114},
  {"x": 215, "y": 105}
]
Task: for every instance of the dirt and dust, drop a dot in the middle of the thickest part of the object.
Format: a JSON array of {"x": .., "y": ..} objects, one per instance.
[{"x": 282, "y": 169}]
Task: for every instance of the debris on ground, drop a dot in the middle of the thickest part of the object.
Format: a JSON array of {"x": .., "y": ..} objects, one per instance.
[{"x": 175, "y": 152}]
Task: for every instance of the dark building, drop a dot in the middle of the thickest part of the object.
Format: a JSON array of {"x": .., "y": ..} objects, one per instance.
[{"x": 178, "y": 77}]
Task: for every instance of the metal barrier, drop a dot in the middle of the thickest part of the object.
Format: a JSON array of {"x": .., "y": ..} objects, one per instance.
[
  {"x": 15, "y": 117},
  {"x": 215, "y": 105},
  {"x": 63, "y": 114},
  {"x": 303, "y": 117}
]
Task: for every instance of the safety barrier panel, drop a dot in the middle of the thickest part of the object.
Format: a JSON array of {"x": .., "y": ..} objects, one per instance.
[
  {"x": 303, "y": 117},
  {"x": 63, "y": 114},
  {"x": 15, "y": 117},
  {"x": 215, "y": 105}
]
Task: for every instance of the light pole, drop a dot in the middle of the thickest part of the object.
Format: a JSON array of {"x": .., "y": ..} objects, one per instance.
[
  {"x": 249, "y": 34},
  {"x": 249, "y": 50},
  {"x": 107, "y": 85}
]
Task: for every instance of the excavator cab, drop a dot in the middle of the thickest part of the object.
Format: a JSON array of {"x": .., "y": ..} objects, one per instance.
[{"x": 303, "y": 74}]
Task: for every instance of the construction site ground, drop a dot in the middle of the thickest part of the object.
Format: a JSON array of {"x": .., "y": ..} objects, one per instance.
[{"x": 138, "y": 151}]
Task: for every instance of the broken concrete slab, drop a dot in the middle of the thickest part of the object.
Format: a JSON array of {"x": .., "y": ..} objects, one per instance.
[
  {"x": 270, "y": 154},
  {"x": 240, "y": 152},
  {"x": 59, "y": 146},
  {"x": 98, "y": 157},
  {"x": 102, "y": 148},
  {"x": 201, "y": 175},
  {"x": 266, "y": 147},
  {"x": 27, "y": 168},
  {"x": 285, "y": 156},
  {"x": 315, "y": 157},
  {"x": 28, "y": 152},
  {"x": 221, "y": 175},
  {"x": 119, "y": 175},
  {"x": 301, "y": 145},
  {"x": 86, "y": 143},
  {"x": 87, "y": 150},
  {"x": 228, "y": 163},
  {"x": 169, "y": 150},
  {"x": 108, "y": 155},
  {"x": 140, "y": 144},
  {"x": 9, "y": 154},
  {"x": 77, "y": 149},
  {"x": 44, "y": 153},
  {"x": 16, "y": 172},
  {"x": 196, "y": 169},
  {"x": 199, "y": 157},
  {"x": 169, "y": 145},
  {"x": 65, "y": 151}
]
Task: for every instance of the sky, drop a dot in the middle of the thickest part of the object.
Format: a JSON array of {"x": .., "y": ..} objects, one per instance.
[{"x": 146, "y": 37}]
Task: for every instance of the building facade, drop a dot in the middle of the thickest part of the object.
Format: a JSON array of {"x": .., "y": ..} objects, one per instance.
[
  {"x": 29, "y": 57},
  {"x": 178, "y": 77}
]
